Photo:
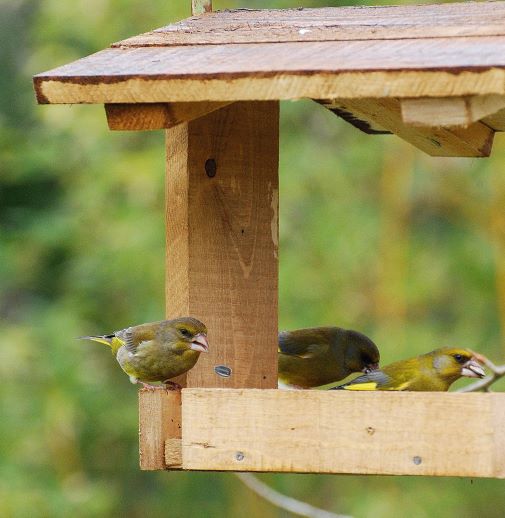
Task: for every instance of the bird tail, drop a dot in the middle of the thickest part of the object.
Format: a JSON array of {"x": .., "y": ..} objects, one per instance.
[{"x": 110, "y": 340}]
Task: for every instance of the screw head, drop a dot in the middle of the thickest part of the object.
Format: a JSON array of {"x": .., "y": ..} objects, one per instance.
[
  {"x": 239, "y": 456},
  {"x": 417, "y": 460},
  {"x": 210, "y": 167}
]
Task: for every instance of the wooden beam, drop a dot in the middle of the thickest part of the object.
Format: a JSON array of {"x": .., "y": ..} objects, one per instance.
[
  {"x": 496, "y": 121},
  {"x": 362, "y": 121},
  {"x": 159, "y": 425},
  {"x": 443, "y": 434},
  {"x": 222, "y": 239},
  {"x": 154, "y": 116},
  {"x": 450, "y": 111},
  {"x": 473, "y": 141}
]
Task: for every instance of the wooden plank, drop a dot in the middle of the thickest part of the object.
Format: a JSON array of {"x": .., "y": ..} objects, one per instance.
[
  {"x": 159, "y": 422},
  {"x": 362, "y": 121},
  {"x": 222, "y": 239},
  {"x": 144, "y": 116},
  {"x": 268, "y": 71},
  {"x": 331, "y": 24},
  {"x": 498, "y": 431},
  {"x": 442, "y": 434},
  {"x": 496, "y": 121},
  {"x": 450, "y": 111},
  {"x": 201, "y": 7},
  {"x": 473, "y": 141}
]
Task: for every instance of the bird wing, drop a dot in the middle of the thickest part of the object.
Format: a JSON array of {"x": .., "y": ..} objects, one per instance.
[
  {"x": 375, "y": 380},
  {"x": 134, "y": 336},
  {"x": 302, "y": 345}
]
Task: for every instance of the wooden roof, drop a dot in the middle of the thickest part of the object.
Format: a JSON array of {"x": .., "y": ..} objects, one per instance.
[{"x": 348, "y": 52}]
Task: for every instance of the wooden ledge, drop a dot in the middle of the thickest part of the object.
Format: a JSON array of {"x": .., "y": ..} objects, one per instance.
[
  {"x": 339, "y": 432},
  {"x": 399, "y": 433}
]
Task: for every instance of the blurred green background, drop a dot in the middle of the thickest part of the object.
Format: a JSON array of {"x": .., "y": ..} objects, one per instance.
[{"x": 374, "y": 235}]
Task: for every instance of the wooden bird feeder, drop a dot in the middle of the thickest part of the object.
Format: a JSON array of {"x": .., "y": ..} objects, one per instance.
[{"x": 432, "y": 74}]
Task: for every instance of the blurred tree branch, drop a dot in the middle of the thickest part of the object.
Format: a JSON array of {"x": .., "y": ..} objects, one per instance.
[
  {"x": 497, "y": 372},
  {"x": 284, "y": 502}
]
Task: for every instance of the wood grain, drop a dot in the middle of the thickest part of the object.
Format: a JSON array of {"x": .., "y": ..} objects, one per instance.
[
  {"x": 443, "y": 434},
  {"x": 222, "y": 239},
  {"x": 364, "y": 123},
  {"x": 159, "y": 421},
  {"x": 450, "y": 111},
  {"x": 330, "y": 24},
  {"x": 145, "y": 116},
  {"x": 496, "y": 121},
  {"x": 473, "y": 141},
  {"x": 268, "y": 71}
]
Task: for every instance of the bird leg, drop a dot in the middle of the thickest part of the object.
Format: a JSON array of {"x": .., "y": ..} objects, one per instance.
[
  {"x": 286, "y": 386},
  {"x": 148, "y": 386},
  {"x": 171, "y": 385}
]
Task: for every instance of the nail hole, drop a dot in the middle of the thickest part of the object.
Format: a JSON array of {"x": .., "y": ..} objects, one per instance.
[{"x": 210, "y": 167}]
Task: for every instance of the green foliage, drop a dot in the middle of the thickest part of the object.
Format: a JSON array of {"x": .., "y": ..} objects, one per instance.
[{"x": 374, "y": 236}]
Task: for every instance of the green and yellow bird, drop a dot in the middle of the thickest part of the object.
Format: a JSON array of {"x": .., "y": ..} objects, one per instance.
[
  {"x": 320, "y": 355},
  {"x": 157, "y": 351},
  {"x": 433, "y": 371}
]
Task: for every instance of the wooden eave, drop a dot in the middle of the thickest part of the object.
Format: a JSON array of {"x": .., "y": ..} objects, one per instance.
[{"x": 345, "y": 52}]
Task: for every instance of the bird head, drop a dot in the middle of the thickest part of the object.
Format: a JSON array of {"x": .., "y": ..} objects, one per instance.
[
  {"x": 453, "y": 363},
  {"x": 362, "y": 355},
  {"x": 188, "y": 333}
]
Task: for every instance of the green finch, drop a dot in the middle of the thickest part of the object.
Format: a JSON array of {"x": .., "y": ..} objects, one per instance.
[
  {"x": 321, "y": 355},
  {"x": 157, "y": 351},
  {"x": 434, "y": 371}
]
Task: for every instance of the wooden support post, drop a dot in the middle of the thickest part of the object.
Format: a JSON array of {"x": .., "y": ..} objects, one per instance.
[
  {"x": 222, "y": 258},
  {"x": 222, "y": 239},
  {"x": 159, "y": 427}
]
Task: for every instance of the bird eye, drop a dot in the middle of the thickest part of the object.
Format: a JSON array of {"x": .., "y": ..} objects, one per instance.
[
  {"x": 459, "y": 358},
  {"x": 185, "y": 332}
]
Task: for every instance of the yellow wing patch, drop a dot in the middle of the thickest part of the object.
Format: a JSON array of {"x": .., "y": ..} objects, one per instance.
[
  {"x": 371, "y": 385},
  {"x": 402, "y": 386}
]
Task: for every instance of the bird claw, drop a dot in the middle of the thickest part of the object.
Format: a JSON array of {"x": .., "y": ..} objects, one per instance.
[
  {"x": 149, "y": 387},
  {"x": 171, "y": 385},
  {"x": 167, "y": 385}
]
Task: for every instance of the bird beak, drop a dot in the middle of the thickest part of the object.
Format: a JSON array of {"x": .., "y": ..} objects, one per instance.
[
  {"x": 471, "y": 369},
  {"x": 200, "y": 343},
  {"x": 370, "y": 367}
]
